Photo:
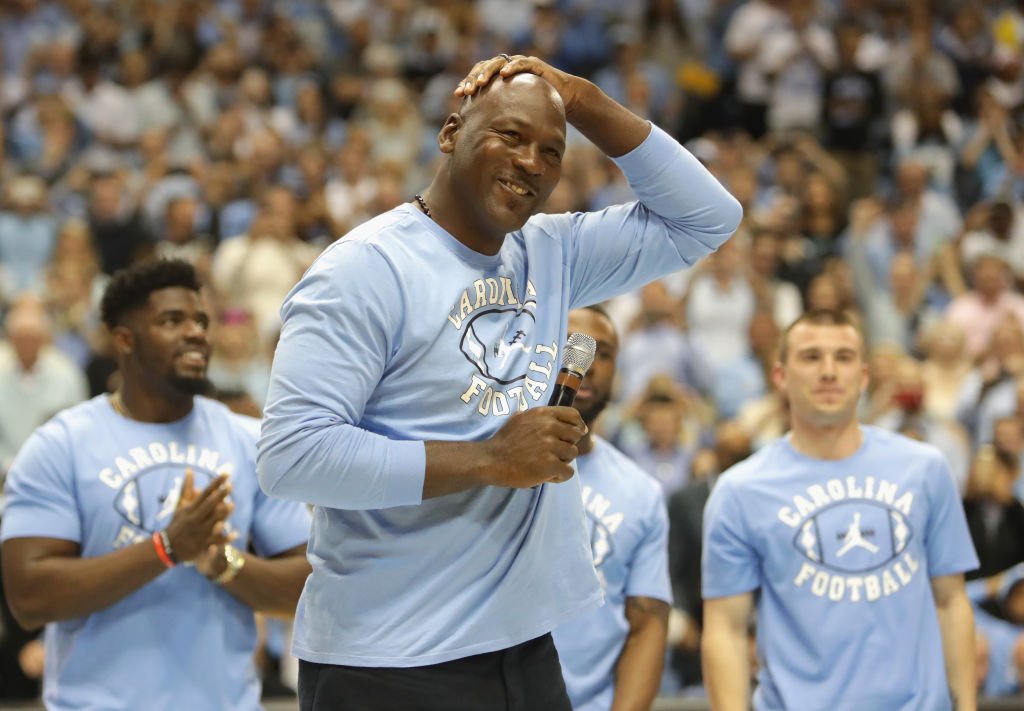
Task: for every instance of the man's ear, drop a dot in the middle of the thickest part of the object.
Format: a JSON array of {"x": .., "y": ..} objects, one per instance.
[
  {"x": 779, "y": 376},
  {"x": 448, "y": 136},
  {"x": 123, "y": 340}
]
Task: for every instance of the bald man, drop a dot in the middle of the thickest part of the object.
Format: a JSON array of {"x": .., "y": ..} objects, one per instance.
[{"x": 408, "y": 392}]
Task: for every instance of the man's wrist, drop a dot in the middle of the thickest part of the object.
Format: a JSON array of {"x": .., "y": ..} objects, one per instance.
[{"x": 234, "y": 561}]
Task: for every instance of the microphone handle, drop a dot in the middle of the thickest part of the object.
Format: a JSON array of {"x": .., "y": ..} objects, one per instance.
[{"x": 567, "y": 384}]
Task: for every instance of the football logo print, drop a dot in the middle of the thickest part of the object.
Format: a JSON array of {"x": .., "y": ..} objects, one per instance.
[
  {"x": 499, "y": 342},
  {"x": 853, "y": 536},
  {"x": 148, "y": 500}
]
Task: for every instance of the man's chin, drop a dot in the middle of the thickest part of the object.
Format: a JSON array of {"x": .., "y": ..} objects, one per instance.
[{"x": 192, "y": 386}]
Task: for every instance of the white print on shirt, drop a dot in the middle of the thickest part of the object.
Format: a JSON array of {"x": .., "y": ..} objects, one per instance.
[
  {"x": 853, "y": 535},
  {"x": 603, "y": 525},
  {"x": 148, "y": 480},
  {"x": 497, "y": 328}
]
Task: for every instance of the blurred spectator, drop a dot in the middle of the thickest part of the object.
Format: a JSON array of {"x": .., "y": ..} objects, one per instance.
[
  {"x": 719, "y": 305},
  {"x": 642, "y": 85},
  {"x": 686, "y": 515},
  {"x": 747, "y": 29},
  {"x": 852, "y": 104},
  {"x": 989, "y": 154},
  {"x": 257, "y": 270},
  {"x": 116, "y": 225},
  {"x": 179, "y": 238},
  {"x": 36, "y": 380},
  {"x": 994, "y": 516},
  {"x": 945, "y": 368},
  {"x": 657, "y": 345},
  {"x": 967, "y": 41},
  {"x": 979, "y": 311},
  {"x": 774, "y": 294},
  {"x": 906, "y": 414},
  {"x": 929, "y": 132},
  {"x": 663, "y": 433},
  {"x": 796, "y": 56},
  {"x": 747, "y": 378},
  {"x": 27, "y": 235},
  {"x": 997, "y": 228},
  {"x": 239, "y": 364}
]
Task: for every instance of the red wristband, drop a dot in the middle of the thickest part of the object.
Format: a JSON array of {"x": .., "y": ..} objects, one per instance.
[{"x": 161, "y": 552}]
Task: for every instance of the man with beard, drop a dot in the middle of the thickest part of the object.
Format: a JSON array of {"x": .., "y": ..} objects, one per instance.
[
  {"x": 612, "y": 658},
  {"x": 135, "y": 529}
]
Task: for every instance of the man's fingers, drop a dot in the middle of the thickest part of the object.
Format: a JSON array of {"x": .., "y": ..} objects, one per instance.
[
  {"x": 207, "y": 505},
  {"x": 482, "y": 73},
  {"x": 214, "y": 488},
  {"x": 565, "y": 451},
  {"x": 187, "y": 489}
]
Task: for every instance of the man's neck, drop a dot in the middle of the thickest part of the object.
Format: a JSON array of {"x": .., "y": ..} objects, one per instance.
[
  {"x": 828, "y": 442},
  {"x": 138, "y": 403},
  {"x": 447, "y": 211}
]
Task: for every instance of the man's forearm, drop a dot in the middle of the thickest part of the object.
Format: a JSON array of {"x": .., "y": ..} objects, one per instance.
[
  {"x": 638, "y": 672},
  {"x": 271, "y": 585},
  {"x": 63, "y": 587},
  {"x": 726, "y": 664},
  {"x": 605, "y": 122},
  {"x": 956, "y": 621}
]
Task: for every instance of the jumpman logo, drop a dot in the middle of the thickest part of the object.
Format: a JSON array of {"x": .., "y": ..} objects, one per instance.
[{"x": 854, "y": 538}]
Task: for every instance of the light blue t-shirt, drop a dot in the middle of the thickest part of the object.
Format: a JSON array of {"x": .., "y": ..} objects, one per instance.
[
  {"x": 400, "y": 334},
  {"x": 628, "y": 530},
  {"x": 106, "y": 482},
  {"x": 842, "y": 553}
]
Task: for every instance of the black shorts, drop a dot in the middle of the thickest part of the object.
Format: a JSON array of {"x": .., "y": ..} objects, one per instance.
[{"x": 526, "y": 677}]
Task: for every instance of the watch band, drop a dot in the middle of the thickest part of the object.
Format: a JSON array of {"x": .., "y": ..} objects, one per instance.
[{"x": 235, "y": 560}]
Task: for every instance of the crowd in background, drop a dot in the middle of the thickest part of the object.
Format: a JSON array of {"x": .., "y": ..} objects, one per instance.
[{"x": 877, "y": 147}]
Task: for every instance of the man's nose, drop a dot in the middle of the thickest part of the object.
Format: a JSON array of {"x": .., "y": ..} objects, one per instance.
[
  {"x": 828, "y": 368},
  {"x": 528, "y": 158}
]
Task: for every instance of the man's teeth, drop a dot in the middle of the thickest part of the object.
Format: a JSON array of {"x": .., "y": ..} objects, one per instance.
[{"x": 515, "y": 188}]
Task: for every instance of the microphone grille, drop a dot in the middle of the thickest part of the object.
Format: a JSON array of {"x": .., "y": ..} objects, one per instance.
[{"x": 580, "y": 350}]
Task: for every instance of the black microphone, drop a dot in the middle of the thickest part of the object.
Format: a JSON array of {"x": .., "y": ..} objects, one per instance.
[{"x": 577, "y": 358}]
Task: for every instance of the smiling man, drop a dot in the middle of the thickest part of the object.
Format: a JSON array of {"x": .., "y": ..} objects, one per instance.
[
  {"x": 130, "y": 517},
  {"x": 406, "y": 401},
  {"x": 856, "y": 543}
]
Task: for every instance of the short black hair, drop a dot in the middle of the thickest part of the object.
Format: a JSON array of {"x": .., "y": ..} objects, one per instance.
[{"x": 129, "y": 289}]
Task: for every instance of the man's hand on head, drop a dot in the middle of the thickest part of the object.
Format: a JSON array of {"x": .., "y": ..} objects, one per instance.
[{"x": 505, "y": 66}]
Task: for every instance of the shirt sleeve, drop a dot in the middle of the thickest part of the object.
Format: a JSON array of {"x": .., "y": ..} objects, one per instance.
[
  {"x": 41, "y": 500},
  {"x": 278, "y": 525},
  {"x": 329, "y": 360},
  {"x": 648, "y": 571},
  {"x": 947, "y": 538},
  {"x": 683, "y": 214},
  {"x": 729, "y": 562}
]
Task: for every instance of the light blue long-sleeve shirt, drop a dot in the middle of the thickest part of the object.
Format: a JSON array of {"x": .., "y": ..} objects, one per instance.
[{"x": 399, "y": 334}]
